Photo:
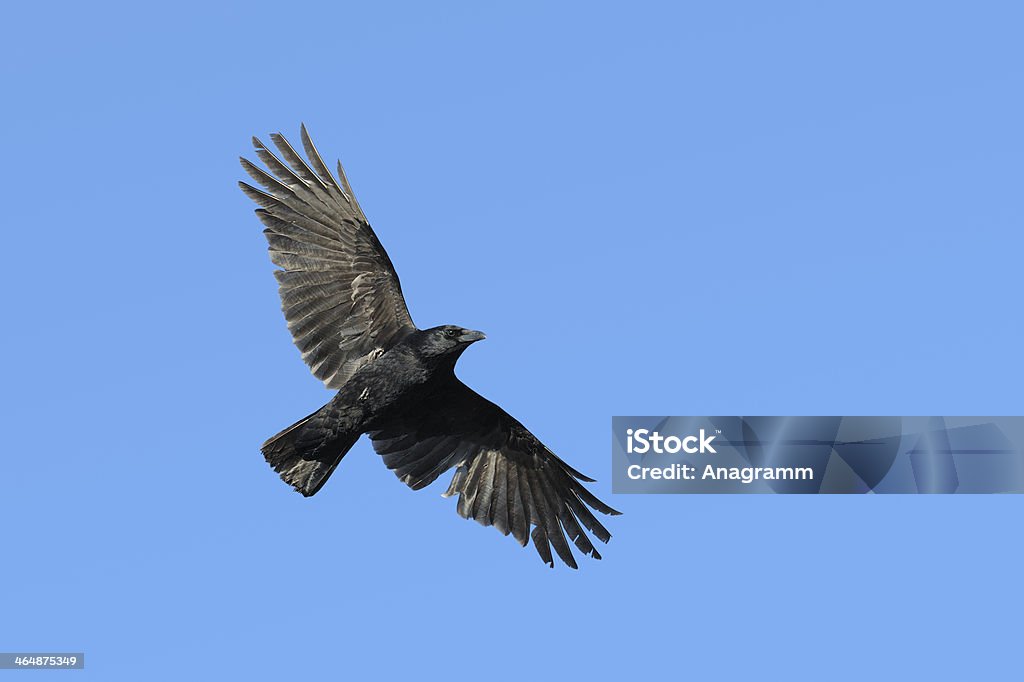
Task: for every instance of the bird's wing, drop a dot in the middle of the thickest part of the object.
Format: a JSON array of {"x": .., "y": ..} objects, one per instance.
[
  {"x": 339, "y": 291},
  {"x": 505, "y": 476}
]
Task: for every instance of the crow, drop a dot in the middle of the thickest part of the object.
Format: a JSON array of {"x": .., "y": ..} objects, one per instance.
[{"x": 344, "y": 306}]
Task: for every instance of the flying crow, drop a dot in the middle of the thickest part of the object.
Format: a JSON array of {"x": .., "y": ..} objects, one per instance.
[{"x": 346, "y": 313}]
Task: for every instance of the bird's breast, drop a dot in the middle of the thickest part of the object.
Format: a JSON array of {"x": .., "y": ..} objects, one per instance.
[{"x": 382, "y": 386}]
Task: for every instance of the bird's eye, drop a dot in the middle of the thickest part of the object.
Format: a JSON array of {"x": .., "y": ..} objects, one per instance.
[{"x": 450, "y": 333}]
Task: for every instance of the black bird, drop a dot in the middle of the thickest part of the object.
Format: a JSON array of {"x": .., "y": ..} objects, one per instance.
[{"x": 346, "y": 313}]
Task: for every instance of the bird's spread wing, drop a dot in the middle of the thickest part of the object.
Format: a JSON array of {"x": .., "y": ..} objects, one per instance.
[
  {"x": 339, "y": 291},
  {"x": 505, "y": 476}
]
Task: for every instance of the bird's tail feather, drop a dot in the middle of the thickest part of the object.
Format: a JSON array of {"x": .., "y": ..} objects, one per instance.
[{"x": 307, "y": 452}]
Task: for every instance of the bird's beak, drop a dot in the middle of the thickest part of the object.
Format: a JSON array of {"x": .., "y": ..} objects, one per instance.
[{"x": 470, "y": 336}]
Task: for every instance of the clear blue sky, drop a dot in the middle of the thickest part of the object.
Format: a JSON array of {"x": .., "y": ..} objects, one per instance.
[{"x": 714, "y": 208}]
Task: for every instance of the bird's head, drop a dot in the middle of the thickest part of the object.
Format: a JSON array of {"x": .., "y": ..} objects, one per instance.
[{"x": 447, "y": 341}]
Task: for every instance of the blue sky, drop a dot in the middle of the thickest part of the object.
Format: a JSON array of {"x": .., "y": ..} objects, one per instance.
[{"x": 714, "y": 208}]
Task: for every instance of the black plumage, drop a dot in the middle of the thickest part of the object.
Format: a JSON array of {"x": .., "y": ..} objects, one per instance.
[{"x": 343, "y": 302}]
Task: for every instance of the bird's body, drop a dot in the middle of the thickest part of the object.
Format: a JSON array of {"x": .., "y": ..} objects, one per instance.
[
  {"x": 399, "y": 380},
  {"x": 397, "y": 384},
  {"x": 398, "y": 376}
]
